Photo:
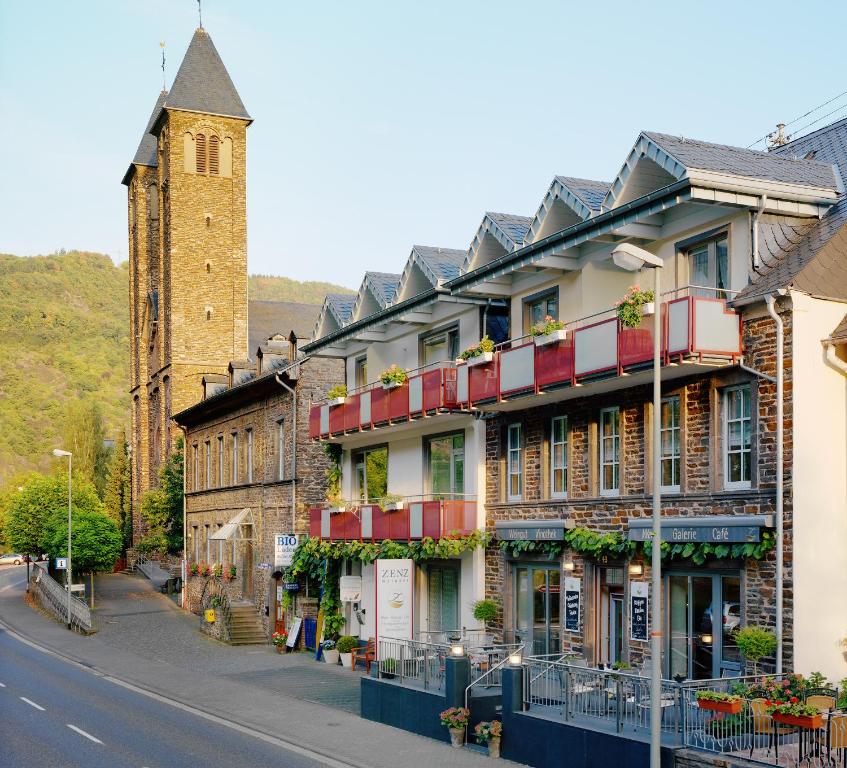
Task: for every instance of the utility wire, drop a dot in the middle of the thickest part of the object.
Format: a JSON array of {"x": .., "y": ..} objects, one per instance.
[
  {"x": 809, "y": 125},
  {"x": 797, "y": 119}
]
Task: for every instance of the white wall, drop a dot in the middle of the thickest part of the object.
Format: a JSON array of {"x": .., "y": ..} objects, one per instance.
[{"x": 819, "y": 422}]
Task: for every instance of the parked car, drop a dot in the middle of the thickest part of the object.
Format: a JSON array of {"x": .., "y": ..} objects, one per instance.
[
  {"x": 11, "y": 559},
  {"x": 731, "y": 618}
]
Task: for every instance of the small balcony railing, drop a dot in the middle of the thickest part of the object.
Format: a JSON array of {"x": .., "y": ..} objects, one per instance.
[{"x": 413, "y": 520}]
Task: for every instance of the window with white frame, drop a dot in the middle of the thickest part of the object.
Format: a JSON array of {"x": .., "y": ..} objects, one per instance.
[
  {"x": 250, "y": 455},
  {"x": 220, "y": 461},
  {"x": 235, "y": 458},
  {"x": 208, "y": 447},
  {"x": 610, "y": 447},
  {"x": 280, "y": 448},
  {"x": 709, "y": 267},
  {"x": 208, "y": 544},
  {"x": 195, "y": 473},
  {"x": 737, "y": 437},
  {"x": 670, "y": 455},
  {"x": 514, "y": 462},
  {"x": 220, "y": 544},
  {"x": 559, "y": 457},
  {"x": 195, "y": 537}
]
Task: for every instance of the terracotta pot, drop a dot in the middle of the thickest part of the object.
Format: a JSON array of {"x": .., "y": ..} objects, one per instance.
[
  {"x": 457, "y": 737},
  {"x": 729, "y": 707},
  {"x": 811, "y": 722},
  {"x": 494, "y": 746},
  {"x": 280, "y": 648}
]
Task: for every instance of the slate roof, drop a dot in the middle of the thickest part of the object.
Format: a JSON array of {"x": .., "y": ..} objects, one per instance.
[
  {"x": 827, "y": 145},
  {"x": 341, "y": 305},
  {"x": 269, "y": 317},
  {"x": 590, "y": 192},
  {"x": 384, "y": 285},
  {"x": 839, "y": 335},
  {"x": 146, "y": 152},
  {"x": 514, "y": 227},
  {"x": 445, "y": 263},
  {"x": 202, "y": 83},
  {"x": 746, "y": 162}
]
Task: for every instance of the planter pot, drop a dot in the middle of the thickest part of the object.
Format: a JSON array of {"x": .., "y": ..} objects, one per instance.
[
  {"x": 346, "y": 660},
  {"x": 648, "y": 308},
  {"x": 457, "y": 737},
  {"x": 728, "y": 707},
  {"x": 336, "y": 401},
  {"x": 485, "y": 357},
  {"x": 392, "y": 385},
  {"x": 551, "y": 338},
  {"x": 279, "y": 648},
  {"x": 494, "y": 747},
  {"x": 460, "y": 361},
  {"x": 331, "y": 656},
  {"x": 337, "y": 510},
  {"x": 395, "y": 506},
  {"x": 812, "y": 722}
]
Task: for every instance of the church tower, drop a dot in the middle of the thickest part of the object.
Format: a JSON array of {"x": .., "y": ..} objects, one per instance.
[{"x": 187, "y": 218}]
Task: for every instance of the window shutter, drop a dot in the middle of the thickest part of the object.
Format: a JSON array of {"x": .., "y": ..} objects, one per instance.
[
  {"x": 214, "y": 164},
  {"x": 200, "y": 144}
]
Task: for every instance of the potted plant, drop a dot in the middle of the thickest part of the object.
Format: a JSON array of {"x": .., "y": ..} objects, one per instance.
[
  {"x": 279, "y": 639},
  {"x": 392, "y": 502},
  {"x": 393, "y": 377},
  {"x": 335, "y": 503},
  {"x": 231, "y": 572},
  {"x": 548, "y": 331},
  {"x": 794, "y": 712},
  {"x": 477, "y": 354},
  {"x": 755, "y": 643},
  {"x": 485, "y": 610},
  {"x": 619, "y": 666},
  {"x": 336, "y": 395},
  {"x": 346, "y": 645},
  {"x": 456, "y": 720},
  {"x": 194, "y": 569},
  {"x": 719, "y": 702},
  {"x": 330, "y": 652},
  {"x": 633, "y": 306},
  {"x": 490, "y": 733},
  {"x": 218, "y": 570},
  {"x": 388, "y": 668}
]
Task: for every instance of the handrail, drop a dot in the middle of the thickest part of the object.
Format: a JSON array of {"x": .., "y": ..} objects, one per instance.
[
  {"x": 56, "y": 597},
  {"x": 491, "y": 671},
  {"x": 410, "y": 373}
]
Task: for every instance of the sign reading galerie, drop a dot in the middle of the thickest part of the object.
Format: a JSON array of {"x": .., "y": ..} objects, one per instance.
[
  {"x": 284, "y": 546},
  {"x": 395, "y": 598}
]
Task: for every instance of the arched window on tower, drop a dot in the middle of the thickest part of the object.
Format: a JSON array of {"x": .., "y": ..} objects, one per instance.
[
  {"x": 214, "y": 155},
  {"x": 200, "y": 152}
]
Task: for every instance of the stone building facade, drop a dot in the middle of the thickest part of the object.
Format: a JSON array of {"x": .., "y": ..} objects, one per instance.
[{"x": 187, "y": 221}]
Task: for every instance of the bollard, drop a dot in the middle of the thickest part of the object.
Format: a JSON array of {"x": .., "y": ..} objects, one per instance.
[
  {"x": 457, "y": 677},
  {"x": 512, "y": 688}
]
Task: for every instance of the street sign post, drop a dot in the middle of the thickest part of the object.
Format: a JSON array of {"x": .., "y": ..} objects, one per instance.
[{"x": 61, "y": 564}]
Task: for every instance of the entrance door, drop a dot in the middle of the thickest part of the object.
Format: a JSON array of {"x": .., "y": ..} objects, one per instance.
[
  {"x": 610, "y": 599},
  {"x": 443, "y": 599},
  {"x": 616, "y": 629},
  {"x": 279, "y": 614},
  {"x": 247, "y": 571},
  {"x": 537, "y": 614}
]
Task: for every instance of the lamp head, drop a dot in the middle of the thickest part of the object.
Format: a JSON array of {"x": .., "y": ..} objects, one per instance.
[
  {"x": 515, "y": 659},
  {"x": 632, "y": 258},
  {"x": 58, "y": 452},
  {"x": 457, "y": 650}
]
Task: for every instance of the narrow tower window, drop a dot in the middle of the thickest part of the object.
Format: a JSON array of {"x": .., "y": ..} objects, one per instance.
[
  {"x": 200, "y": 148},
  {"x": 214, "y": 163}
]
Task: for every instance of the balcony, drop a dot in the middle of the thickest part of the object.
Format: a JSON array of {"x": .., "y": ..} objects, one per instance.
[
  {"x": 415, "y": 520},
  {"x": 598, "y": 354}
]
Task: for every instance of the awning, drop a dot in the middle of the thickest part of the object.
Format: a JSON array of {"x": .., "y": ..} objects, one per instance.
[
  {"x": 715, "y": 529},
  {"x": 229, "y": 530},
  {"x": 532, "y": 530}
]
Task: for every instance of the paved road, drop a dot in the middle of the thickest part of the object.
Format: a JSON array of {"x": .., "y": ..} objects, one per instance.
[{"x": 54, "y": 713}]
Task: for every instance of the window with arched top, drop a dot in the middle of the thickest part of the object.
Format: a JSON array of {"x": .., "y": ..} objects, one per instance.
[
  {"x": 214, "y": 156},
  {"x": 200, "y": 152}
]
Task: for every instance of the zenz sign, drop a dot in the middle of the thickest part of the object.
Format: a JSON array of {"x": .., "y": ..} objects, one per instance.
[{"x": 395, "y": 598}]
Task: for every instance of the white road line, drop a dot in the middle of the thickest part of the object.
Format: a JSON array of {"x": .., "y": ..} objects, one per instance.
[
  {"x": 83, "y": 733},
  {"x": 2, "y": 685},
  {"x": 31, "y": 703}
]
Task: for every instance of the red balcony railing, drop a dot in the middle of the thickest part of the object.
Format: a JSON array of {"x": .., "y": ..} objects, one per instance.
[{"x": 414, "y": 520}]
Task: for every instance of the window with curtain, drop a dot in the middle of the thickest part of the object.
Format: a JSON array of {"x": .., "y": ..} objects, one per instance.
[
  {"x": 559, "y": 457},
  {"x": 709, "y": 267}
]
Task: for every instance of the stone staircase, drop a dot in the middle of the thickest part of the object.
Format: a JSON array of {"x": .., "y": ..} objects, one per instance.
[{"x": 245, "y": 625}]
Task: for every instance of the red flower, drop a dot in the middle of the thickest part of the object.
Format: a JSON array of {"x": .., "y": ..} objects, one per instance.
[
  {"x": 767, "y": 702},
  {"x": 794, "y": 699}
]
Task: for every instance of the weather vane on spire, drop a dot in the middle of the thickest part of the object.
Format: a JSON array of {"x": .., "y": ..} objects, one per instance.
[
  {"x": 200, "y": 13},
  {"x": 164, "y": 82}
]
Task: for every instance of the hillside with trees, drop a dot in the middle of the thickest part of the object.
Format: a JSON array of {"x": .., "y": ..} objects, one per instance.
[{"x": 64, "y": 353}]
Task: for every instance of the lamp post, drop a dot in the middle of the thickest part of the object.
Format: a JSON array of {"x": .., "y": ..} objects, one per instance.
[
  {"x": 632, "y": 258},
  {"x": 58, "y": 452}
]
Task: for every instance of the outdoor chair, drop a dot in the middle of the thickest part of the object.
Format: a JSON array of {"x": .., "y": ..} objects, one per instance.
[
  {"x": 836, "y": 737},
  {"x": 825, "y": 699},
  {"x": 763, "y": 725},
  {"x": 366, "y": 655}
]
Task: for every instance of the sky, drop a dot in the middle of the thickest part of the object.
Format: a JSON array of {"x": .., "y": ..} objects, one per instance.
[{"x": 379, "y": 125}]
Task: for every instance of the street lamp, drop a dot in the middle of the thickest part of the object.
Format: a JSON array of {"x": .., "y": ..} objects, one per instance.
[
  {"x": 58, "y": 453},
  {"x": 632, "y": 258}
]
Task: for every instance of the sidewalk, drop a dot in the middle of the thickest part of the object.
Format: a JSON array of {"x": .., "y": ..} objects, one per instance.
[{"x": 146, "y": 640}]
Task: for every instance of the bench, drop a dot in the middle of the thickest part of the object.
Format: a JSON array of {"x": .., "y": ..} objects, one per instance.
[{"x": 366, "y": 654}]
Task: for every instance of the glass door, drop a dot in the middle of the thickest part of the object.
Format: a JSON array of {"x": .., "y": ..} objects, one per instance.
[
  {"x": 443, "y": 599},
  {"x": 447, "y": 466},
  {"x": 537, "y": 618},
  {"x": 616, "y": 629}
]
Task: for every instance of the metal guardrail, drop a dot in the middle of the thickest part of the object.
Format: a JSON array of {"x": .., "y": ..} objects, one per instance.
[{"x": 54, "y": 597}]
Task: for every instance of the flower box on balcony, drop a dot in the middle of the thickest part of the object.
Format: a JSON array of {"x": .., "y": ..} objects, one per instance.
[
  {"x": 554, "y": 337},
  {"x": 392, "y": 384},
  {"x": 460, "y": 361},
  {"x": 648, "y": 308},
  {"x": 730, "y": 707},
  {"x": 335, "y": 401},
  {"x": 810, "y": 722},
  {"x": 341, "y": 508},
  {"x": 485, "y": 357},
  {"x": 394, "y": 506}
]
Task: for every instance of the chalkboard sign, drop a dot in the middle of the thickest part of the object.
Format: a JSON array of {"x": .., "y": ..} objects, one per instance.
[
  {"x": 638, "y": 612},
  {"x": 572, "y": 606}
]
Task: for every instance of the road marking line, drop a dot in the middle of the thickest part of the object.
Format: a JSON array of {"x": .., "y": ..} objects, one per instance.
[
  {"x": 2, "y": 685},
  {"x": 12, "y": 585},
  {"x": 31, "y": 703},
  {"x": 83, "y": 733}
]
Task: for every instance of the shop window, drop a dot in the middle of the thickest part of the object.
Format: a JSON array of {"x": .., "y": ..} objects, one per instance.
[
  {"x": 610, "y": 446},
  {"x": 670, "y": 442},
  {"x": 559, "y": 457},
  {"x": 371, "y": 474},
  {"x": 737, "y": 438},
  {"x": 514, "y": 463}
]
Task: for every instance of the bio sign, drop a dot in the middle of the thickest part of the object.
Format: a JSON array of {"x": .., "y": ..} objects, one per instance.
[
  {"x": 284, "y": 546},
  {"x": 395, "y": 598}
]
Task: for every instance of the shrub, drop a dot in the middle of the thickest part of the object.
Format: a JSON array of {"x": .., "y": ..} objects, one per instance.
[
  {"x": 629, "y": 307},
  {"x": 155, "y": 543},
  {"x": 755, "y": 643},
  {"x": 347, "y": 644},
  {"x": 339, "y": 390},
  {"x": 393, "y": 375},
  {"x": 485, "y": 610}
]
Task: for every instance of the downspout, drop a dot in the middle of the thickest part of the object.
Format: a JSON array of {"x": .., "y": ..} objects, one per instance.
[
  {"x": 293, "y": 393},
  {"x": 756, "y": 259},
  {"x": 780, "y": 340},
  {"x": 832, "y": 359},
  {"x": 184, "y": 570}
]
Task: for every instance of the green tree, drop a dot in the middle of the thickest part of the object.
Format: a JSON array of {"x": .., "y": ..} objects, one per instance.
[
  {"x": 84, "y": 435},
  {"x": 96, "y": 542},
  {"x": 161, "y": 508},
  {"x": 117, "y": 497}
]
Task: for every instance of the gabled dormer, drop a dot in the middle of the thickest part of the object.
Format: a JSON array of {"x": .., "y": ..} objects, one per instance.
[
  {"x": 498, "y": 234},
  {"x": 428, "y": 267},
  {"x": 377, "y": 291},
  {"x": 568, "y": 201},
  {"x": 335, "y": 312}
]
